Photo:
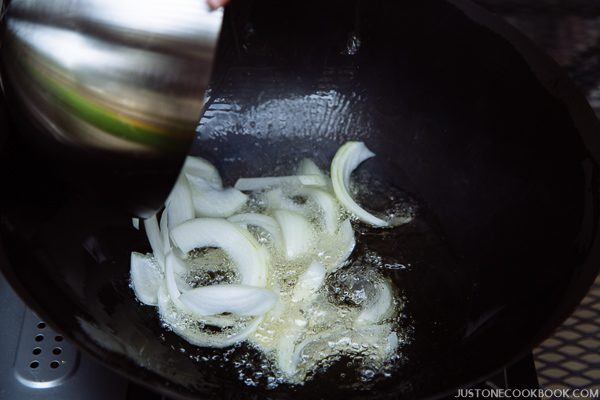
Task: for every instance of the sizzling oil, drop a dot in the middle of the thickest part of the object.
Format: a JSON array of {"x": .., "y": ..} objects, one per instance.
[{"x": 340, "y": 352}]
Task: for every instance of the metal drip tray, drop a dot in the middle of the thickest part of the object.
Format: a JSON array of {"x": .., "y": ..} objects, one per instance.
[{"x": 39, "y": 364}]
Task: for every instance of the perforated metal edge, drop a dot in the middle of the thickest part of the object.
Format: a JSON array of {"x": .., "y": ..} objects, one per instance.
[{"x": 44, "y": 359}]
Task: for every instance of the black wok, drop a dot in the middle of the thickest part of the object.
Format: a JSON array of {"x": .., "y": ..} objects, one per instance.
[{"x": 465, "y": 115}]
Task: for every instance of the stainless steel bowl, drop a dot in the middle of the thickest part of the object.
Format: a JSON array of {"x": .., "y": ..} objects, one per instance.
[{"x": 121, "y": 79}]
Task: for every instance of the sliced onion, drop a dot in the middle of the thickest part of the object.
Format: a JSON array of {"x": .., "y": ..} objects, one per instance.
[
  {"x": 179, "y": 206},
  {"x": 235, "y": 299},
  {"x": 179, "y": 269},
  {"x": 347, "y": 158},
  {"x": 262, "y": 221},
  {"x": 380, "y": 337},
  {"x": 239, "y": 308},
  {"x": 346, "y": 236},
  {"x": 341, "y": 340},
  {"x": 200, "y": 168},
  {"x": 211, "y": 202},
  {"x": 392, "y": 343},
  {"x": 298, "y": 234},
  {"x": 345, "y": 243},
  {"x": 288, "y": 361},
  {"x": 276, "y": 199},
  {"x": 329, "y": 207},
  {"x": 287, "y": 357},
  {"x": 145, "y": 278},
  {"x": 244, "y": 251},
  {"x": 173, "y": 318},
  {"x": 174, "y": 264},
  {"x": 155, "y": 239},
  {"x": 309, "y": 282},
  {"x": 136, "y": 223},
  {"x": 378, "y": 308},
  {"x": 164, "y": 232},
  {"x": 182, "y": 285},
  {"x": 308, "y": 167},
  {"x": 249, "y": 184}
]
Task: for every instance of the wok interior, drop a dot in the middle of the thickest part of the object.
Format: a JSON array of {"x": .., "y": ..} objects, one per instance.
[{"x": 457, "y": 119}]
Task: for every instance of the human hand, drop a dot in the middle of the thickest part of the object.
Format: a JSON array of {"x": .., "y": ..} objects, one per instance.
[{"x": 214, "y": 4}]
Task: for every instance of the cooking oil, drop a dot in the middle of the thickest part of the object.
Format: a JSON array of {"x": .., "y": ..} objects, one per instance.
[{"x": 298, "y": 341}]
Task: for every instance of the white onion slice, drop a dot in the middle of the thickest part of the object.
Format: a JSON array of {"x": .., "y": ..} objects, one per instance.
[
  {"x": 328, "y": 205},
  {"x": 179, "y": 269},
  {"x": 145, "y": 278},
  {"x": 298, "y": 234},
  {"x": 236, "y": 299},
  {"x": 248, "y": 184},
  {"x": 155, "y": 239},
  {"x": 335, "y": 340},
  {"x": 182, "y": 285},
  {"x": 211, "y": 202},
  {"x": 346, "y": 236},
  {"x": 308, "y": 167},
  {"x": 288, "y": 361},
  {"x": 179, "y": 206},
  {"x": 276, "y": 199},
  {"x": 392, "y": 343},
  {"x": 345, "y": 243},
  {"x": 304, "y": 232},
  {"x": 173, "y": 318},
  {"x": 174, "y": 264},
  {"x": 382, "y": 337},
  {"x": 379, "y": 338},
  {"x": 287, "y": 357},
  {"x": 136, "y": 223},
  {"x": 378, "y": 308},
  {"x": 347, "y": 158},
  {"x": 244, "y": 251},
  {"x": 262, "y": 221},
  {"x": 309, "y": 282},
  {"x": 200, "y": 168},
  {"x": 164, "y": 232}
]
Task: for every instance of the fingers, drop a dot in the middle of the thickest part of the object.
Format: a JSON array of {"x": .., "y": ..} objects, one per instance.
[{"x": 214, "y": 4}]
